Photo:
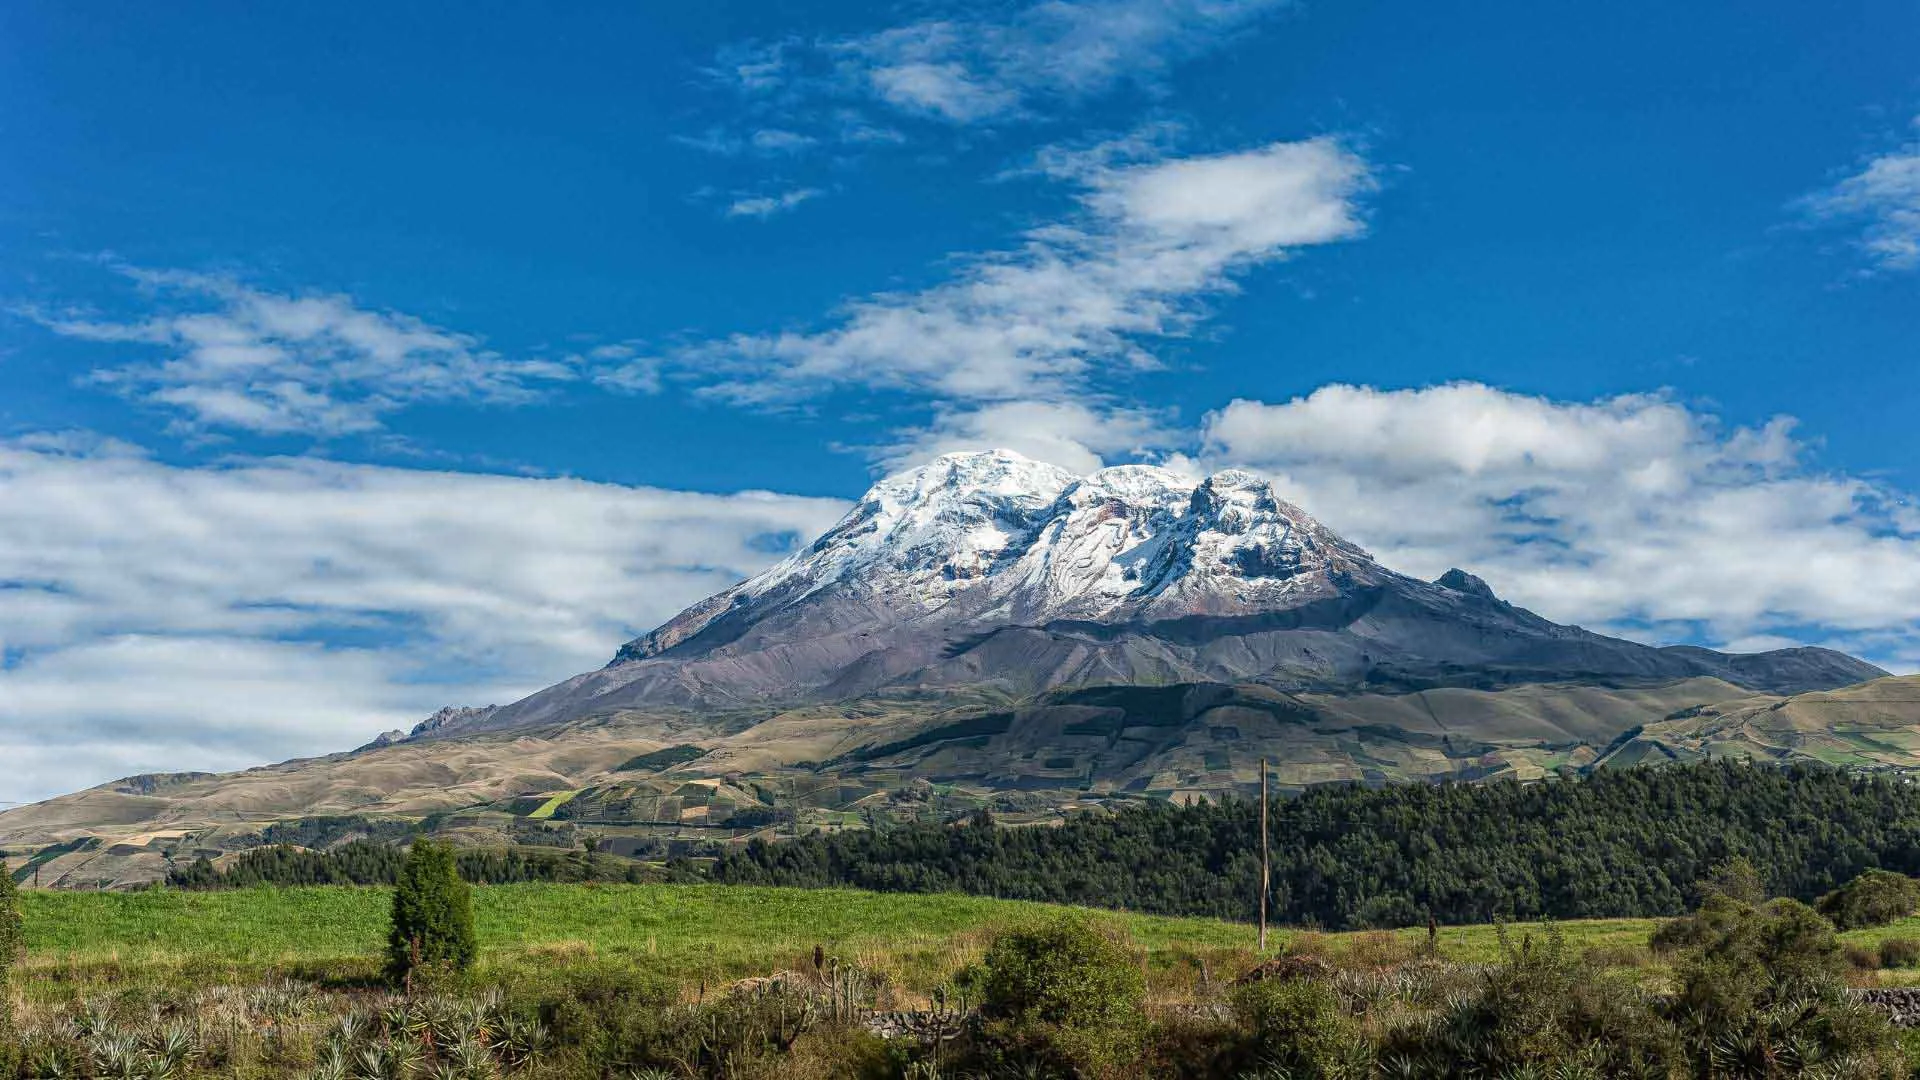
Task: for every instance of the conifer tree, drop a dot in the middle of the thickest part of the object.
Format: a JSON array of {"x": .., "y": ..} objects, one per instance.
[{"x": 432, "y": 914}]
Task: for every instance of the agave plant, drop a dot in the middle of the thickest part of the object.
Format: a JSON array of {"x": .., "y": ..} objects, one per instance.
[
  {"x": 407, "y": 1052},
  {"x": 450, "y": 1020},
  {"x": 177, "y": 1043},
  {"x": 94, "y": 1020},
  {"x": 521, "y": 1041},
  {"x": 1402, "y": 1067},
  {"x": 473, "y": 1059},
  {"x": 372, "y": 1062},
  {"x": 350, "y": 1029},
  {"x": 51, "y": 1061},
  {"x": 117, "y": 1057},
  {"x": 330, "y": 1065}
]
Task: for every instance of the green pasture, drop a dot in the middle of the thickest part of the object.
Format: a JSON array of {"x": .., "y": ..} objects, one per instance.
[{"x": 701, "y": 935}]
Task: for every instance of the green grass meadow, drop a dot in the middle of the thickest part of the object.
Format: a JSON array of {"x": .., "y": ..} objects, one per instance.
[{"x": 700, "y": 935}]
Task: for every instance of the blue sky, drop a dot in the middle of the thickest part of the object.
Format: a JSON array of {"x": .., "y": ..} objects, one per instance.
[{"x": 353, "y": 362}]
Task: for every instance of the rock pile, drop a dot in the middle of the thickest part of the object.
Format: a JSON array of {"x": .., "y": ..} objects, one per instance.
[{"x": 1902, "y": 1004}]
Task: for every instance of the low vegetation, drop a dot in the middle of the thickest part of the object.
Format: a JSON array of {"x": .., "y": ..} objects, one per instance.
[
  {"x": 913, "y": 987},
  {"x": 1875, "y": 898}
]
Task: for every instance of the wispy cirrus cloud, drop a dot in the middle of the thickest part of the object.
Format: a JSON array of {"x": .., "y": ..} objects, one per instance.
[
  {"x": 1052, "y": 323},
  {"x": 766, "y": 142},
  {"x": 1077, "y": 298},
  {"x": 1883, "y": 198},
  {"x": 977, "y": 66},
  {"x": 766, "y": 206},
  {"x": 969, "y": 70},
  {"x": 241, "y": 358},
  {"x": 160, "y": 617}
]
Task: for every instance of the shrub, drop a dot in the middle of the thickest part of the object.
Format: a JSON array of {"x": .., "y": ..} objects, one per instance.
[
  {"x": 1541, "y": 1011},
  {"x": 1757, "y": 982},
  {"x": 1875, "y": 898},
  {"x": 1743, "y": 957},
  {"x": 608, "y": 1018},
  {"x": 1900, "y": 952},
  {"x": 432, "y": 914},
  {"x": 1063, "y": 994},
  {"x": 1067, "y": 972}
]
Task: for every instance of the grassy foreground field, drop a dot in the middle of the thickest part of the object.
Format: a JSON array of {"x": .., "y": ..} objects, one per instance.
[
  {"x": 699, "y": 934},
  {"x": 646, "y": 981}
]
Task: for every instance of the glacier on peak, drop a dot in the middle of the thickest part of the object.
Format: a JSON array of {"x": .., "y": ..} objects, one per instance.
[{"x": 997, "y": 537}]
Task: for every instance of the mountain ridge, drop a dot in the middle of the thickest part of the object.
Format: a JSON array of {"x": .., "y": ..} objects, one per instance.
[{"x": 991, "y": 569}]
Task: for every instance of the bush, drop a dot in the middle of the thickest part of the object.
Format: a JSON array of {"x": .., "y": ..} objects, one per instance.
[
  {"x": 1741, "y": 958},
  {"x": 1759, "y": 981},
  {"x": 1065, "y": 995},
  {"x": 1875, "y": 898},
  {"x": 1541, "y": 1011},
  {"x": 1900, "y": 952},
  {"x": 432, "y": 914},
  {"x": 1068, "y": 973}
]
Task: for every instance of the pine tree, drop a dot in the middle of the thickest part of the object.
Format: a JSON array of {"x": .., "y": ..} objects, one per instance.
[{"x": 432, "y": 914}]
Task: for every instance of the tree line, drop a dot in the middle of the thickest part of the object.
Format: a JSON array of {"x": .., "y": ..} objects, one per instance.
[
  {"x": 365, "y": 862},
  {"x": 1618, "y": 843}
]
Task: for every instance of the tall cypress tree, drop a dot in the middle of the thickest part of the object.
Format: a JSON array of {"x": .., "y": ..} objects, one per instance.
[{"x": 432, "y": 914}]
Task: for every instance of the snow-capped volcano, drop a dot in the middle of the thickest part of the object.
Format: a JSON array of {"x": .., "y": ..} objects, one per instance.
[
  {"x": 996, "y": 538},
  {"x": 989, "y": 571}
]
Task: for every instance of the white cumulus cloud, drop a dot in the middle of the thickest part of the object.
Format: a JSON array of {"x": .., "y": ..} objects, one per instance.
[{"x": 1635, "y": 513}]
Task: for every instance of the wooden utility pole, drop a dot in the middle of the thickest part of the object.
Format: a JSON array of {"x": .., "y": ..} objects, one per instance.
[{"x": 1263, "y": 856}]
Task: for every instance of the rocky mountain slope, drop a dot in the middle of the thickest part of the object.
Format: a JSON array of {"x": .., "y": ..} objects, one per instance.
[{"x": 990, "y": 572}]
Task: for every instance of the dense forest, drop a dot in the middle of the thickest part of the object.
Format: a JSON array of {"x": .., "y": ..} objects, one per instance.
[
  {"x": 1627, "y": 842},
  {"x": 364, "y": 862}
]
